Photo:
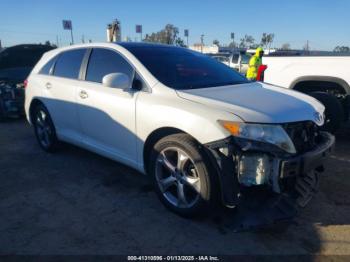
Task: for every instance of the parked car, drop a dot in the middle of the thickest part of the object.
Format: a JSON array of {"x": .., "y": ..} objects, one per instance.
[
  {"x": 324, "y": 77},
  {"x": 16, "y": 62},
  {"x": 236, "y": 60},
  {"x": 200, "y": 130}
]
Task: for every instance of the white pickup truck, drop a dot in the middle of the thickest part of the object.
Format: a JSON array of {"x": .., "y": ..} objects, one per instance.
[
  {"x": 326, "y": 78},
  {"x": 236, "y": 60}
]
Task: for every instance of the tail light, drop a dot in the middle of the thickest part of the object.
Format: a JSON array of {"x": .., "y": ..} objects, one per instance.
[
  {"x": 25, "y": 83},
  {"x": 261, "y": 70}
]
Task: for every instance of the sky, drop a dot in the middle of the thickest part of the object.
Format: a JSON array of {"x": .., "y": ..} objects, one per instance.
[{"x": 324, "y": 23}]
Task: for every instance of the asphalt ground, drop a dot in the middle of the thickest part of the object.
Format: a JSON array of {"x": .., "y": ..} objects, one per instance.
[{"x": 75, "y": 202}]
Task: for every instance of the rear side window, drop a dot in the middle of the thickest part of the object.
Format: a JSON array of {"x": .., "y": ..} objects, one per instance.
[
  {"x": 46, "y": 69},
  {"x": 68, "y": 63},
  {"x": 235, "y": 59},
  {"x": 103, "y": 62}
]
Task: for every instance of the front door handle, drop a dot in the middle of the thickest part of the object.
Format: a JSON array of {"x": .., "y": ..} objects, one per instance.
[
  {"x": 83, "y": 94},
  {"x": 48, "y": 85}
]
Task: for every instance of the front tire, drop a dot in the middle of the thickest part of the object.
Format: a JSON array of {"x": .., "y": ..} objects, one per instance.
[
  {"x": 182, "y": 175},
  {"x": 44, "y": 129}
]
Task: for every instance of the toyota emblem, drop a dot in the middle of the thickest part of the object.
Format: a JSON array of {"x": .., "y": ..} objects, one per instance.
[{"x": 319, "y": 119}]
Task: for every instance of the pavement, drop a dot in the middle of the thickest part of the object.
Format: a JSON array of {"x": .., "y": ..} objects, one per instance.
[{"x": 75, "y": 202}]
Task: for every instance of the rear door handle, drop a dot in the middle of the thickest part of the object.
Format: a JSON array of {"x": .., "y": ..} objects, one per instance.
[
  {"x": 48, "y": 85},
  {"x": 83, "y": 94}
]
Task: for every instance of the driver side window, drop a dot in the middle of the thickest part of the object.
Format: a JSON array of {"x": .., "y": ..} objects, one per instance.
[{"x": 103, "y": 62}]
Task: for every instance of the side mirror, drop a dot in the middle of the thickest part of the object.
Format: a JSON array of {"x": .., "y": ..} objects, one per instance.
[{"x": 116, "y": 80}]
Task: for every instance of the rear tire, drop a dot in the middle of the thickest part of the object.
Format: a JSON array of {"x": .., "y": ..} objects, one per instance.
[
  {"x": 44, "y": 128},
  {"x": 334, "y": 112},
  {"x": 182, "y": 175}
]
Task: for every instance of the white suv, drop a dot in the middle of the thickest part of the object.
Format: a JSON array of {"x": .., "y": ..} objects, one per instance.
[{"x": 202, "y": 131}]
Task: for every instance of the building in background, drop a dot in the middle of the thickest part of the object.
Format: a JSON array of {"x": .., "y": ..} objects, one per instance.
[
  {"x": 206, "y": 49},
  {"x": 114, "y": 31}
]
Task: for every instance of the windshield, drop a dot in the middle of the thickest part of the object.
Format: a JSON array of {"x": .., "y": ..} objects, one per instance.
[
  {"x": 181, "y": 68},
  {"x": 221, "y": 58},
  {"x": 246, "y": 58}
]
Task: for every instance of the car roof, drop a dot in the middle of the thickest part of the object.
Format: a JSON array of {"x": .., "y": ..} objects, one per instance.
[{"x": 144, "y": 44}]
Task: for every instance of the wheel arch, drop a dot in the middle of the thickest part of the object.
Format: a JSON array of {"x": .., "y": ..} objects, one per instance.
[
  {"x": 33, "y": 104},
  {"x": 307, "y": 84},
  {"x": 152, "y": 139}
]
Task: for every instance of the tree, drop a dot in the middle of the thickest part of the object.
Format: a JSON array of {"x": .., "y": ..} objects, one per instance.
[
  {"x": 168, "y": 35},
  {"x": 267, "y": 39},
  {"x": 285, "y": 46},
  {"x": 180, "y": 42},
  {"x": 216, "y": 42},
  {"x": 341, "y": 49},
  {"x": 247, "y": 42},
  {"x": 47, "y": 42}
]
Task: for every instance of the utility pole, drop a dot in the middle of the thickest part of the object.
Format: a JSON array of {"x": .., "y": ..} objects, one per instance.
[
  {"x": 71, "y": 34},
  {"x": 232, "y": 39},
  {"x": 83, "y": 39},
  {"x": 202, "y": 42},
  {"x": 186, "y": 32},
  {"x": 57, "y": 40},
  {"x": 307, "y": 47}
]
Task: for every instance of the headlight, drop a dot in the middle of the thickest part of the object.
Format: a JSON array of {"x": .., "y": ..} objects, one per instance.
[{"x": 271, "y": 134}]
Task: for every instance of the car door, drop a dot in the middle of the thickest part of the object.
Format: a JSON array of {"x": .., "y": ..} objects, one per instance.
[
  {"x": 60, "y": 93},
  {"x": 107, "y": 115}
]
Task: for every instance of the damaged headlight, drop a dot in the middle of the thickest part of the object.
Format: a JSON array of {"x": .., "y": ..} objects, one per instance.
[{"x": 271, "y": 134}]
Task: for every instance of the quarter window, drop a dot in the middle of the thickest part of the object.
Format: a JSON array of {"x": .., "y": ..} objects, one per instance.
[
  {"x": 46, "y": 69},
  {"x": 235, "y": 59},
  {"x": 103, "y": 62},
  {"x": 68, "y": 63}
]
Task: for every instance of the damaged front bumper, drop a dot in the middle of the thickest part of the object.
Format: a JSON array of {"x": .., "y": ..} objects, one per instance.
[{"x": 287, "y": 177}]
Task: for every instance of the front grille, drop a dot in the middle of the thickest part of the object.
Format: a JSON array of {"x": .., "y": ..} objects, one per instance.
[{"x": 304, "y": 135}]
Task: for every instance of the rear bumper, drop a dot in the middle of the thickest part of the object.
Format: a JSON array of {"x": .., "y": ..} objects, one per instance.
[{"x": 294, "y": 179}]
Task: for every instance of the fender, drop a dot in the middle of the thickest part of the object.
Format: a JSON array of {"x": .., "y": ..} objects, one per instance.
[{"x": 336, "y": 80}]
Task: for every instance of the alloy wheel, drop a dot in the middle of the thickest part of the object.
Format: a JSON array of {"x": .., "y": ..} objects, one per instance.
[
  {"x": 43, "y": 128},
  {"x": 177, "y": 177}
]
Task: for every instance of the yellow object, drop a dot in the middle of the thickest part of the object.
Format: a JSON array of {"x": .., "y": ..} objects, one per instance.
[
  {"x": 232, "y": 127},
  {"x": 254, "y": 63}
]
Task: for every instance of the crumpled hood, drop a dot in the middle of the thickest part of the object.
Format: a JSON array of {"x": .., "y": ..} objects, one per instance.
[{"x": 259, "y": 102}]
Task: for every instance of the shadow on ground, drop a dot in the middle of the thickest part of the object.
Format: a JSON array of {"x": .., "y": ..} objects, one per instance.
[{"x": 76, "y": 202}]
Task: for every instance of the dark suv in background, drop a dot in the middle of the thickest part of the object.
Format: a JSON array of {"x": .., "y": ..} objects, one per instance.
[{"x": 16, "y": 63}]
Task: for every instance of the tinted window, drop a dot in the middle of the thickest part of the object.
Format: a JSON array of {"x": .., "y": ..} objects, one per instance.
[
  {"x": 68, "y": 63},
  {"x": 103, "y": 62},
  {"x": 47, "y": 68},
  {"x": 223, "y": 59},
  {"x": 245, "y": 59},
  {"x": 235, "y": 59},
  {"x": 182, "y": 68}
]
